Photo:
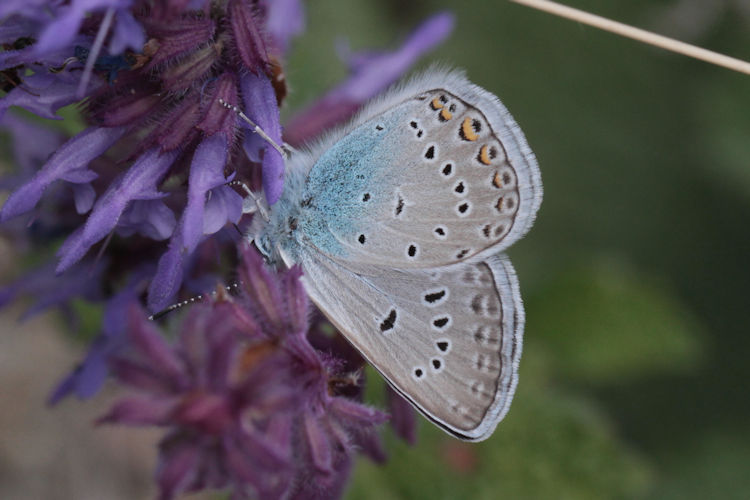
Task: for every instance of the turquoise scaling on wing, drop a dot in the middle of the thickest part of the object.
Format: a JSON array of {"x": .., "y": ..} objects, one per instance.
[{"x": 346, "y": 184}]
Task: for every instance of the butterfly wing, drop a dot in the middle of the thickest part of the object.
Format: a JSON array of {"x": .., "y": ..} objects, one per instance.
[
  {"x": 397, "y": 220},
  {"x": 424, "y": 178},
  {"x": 448, "y": 340}
]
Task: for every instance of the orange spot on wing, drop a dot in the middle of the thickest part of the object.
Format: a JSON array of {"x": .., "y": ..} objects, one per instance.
[
  {"x": 467, "y": 130},
  {"x": 499, "y": 205},
  {"x": 445, "y": 114},
  {"x": 436, "y": 104},
  {"x": 484, "y": 155},
  {"x": 497, "y": 181}
]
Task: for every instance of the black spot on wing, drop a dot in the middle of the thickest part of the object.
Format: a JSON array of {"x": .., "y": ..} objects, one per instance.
[
  {"x": 434, "y": 297},
  {"x": 389, "y": 322}
]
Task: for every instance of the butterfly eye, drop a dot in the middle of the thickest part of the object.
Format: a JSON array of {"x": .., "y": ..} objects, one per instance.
[{"x": 264, "y": 246}]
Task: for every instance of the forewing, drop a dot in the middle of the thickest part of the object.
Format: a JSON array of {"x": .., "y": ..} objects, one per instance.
[
  {"x": 425, "y": 178},
  {"x": 449, "y": 341}
]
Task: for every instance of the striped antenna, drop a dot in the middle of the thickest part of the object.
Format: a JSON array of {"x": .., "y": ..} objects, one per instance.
[
  {"x": 256, "y": 128},
  {"x": 258, "y": 205},
  {"x": 198, "y": 298}
]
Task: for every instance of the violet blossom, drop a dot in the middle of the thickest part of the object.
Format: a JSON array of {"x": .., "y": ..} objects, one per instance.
[
  {"x": 140, "y": 202},
  {"x": 246, "y": 401},
  {"x": 159, "y": 92}
]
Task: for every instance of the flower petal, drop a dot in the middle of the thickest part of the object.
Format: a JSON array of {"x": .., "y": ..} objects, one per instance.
[
  {"x": 353, "y": 413},
  {"x": 48, "y": 290},
  {"x": 368, "y": 442},
  {"x": 210, "y": 412},
  {"x": 285, "y": 19},
  {"x": 84, "y": 196},
  {"x": 25, "y": 7},
  {"x": 168, "y": 278},
  {"x": 178, "y": 37},
  {"x": 297, "y": 304},
  {"x": 206, "y": 173},
  {"x": 88, "y": 378},
  {"x": 138, "y": 183},
  {"x": 261, "y": 107},
  {"x": 378, "y": 72},
  {"x": 224, "y": 206},
  {"x": 27, "y": 56},
  {"x": 155, "y": 351},
  {"x": 194, "y": 68},
  {"x": 371, "y": 75},
  {"x": 258, "y": 448},
  {"x": 63, "y": 29},
  {"x": 217, "y": 118},
  {"x": 70, "y": 159},
  {"x": 151, "y": 218},
  {"x": 178, "y": 468},
  {"x": 403, "y": 416},
  {"x": 30, "y": 155},
  {"x": 222, "y": 352},
  {"x": 128, "y": 34},
  {"x": 140, "y": 410},
  {"x": 261, "y": 287},
  {"x": 248, "y": 39},
  {"x": 179, "y": 125},
  {"x": 42, "y": 94},
  {"x": 140, "y": 376},
  {"x": 126, "y": 109},
  {"x": 318, "y": 443}
]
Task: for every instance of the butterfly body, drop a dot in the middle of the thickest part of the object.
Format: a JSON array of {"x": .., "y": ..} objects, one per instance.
[{"x": 398, "y": 220}]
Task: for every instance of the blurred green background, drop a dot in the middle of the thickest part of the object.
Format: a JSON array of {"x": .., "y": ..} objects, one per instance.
[{"x": 633, "y": 381}]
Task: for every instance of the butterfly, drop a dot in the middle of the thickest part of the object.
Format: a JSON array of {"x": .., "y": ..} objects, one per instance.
[{"x": 399, "y": 220}]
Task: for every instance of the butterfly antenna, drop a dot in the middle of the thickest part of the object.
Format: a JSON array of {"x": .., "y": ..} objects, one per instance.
[
  {"x": 198, "y": 298},
  {"x": 256, "y": 128},
  {"x": 258, "y": 205}
]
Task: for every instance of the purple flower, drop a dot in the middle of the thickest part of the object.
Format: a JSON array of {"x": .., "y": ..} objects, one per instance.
[
  {"x": 252, "y": 396},
  {"x": 69, "y": 163},
  {"x": 138, "y": 183},
  {"x": 158, "y": 97},
  {"x": 155, "y": 76},
  {"x": 28, "y": 155},
  {"x": 41, "y": 94},
  {"x": 261, "y": 100},
  {"x": 88, "y": 377},
  {"x": 48, "y": 290},
  {"x": 403, "y": 416},
  {"x": 285, "y": 19},
  {"x": 247, "y": 402}
]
